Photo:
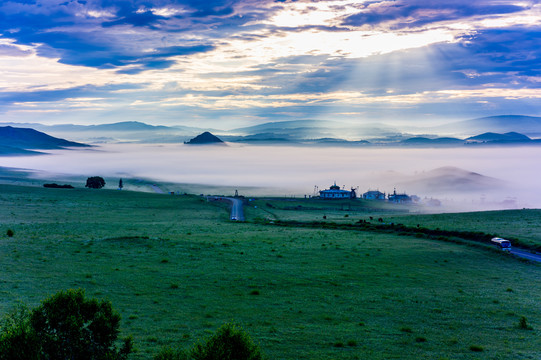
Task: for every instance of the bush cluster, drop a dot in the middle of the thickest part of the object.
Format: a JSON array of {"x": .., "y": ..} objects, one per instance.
[
  {"x": 230, "y": 342},
  {"x": 64, "y": 326},
  {"x": 56, "y": 186},
  {"x": 69, "y": 326}
]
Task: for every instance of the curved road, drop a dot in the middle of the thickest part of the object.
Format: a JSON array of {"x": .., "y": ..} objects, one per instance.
[
  {"x": 526, "y": 254},
  {"x": 237, "y": 211}
]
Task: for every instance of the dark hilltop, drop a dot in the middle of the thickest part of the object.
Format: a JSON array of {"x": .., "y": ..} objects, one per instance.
[{"x": 204, "y": 138}]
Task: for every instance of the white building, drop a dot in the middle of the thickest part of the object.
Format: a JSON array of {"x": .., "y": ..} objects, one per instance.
[
  {"x": 374, "y": 195},
  {"x": 334, "y": 192}
]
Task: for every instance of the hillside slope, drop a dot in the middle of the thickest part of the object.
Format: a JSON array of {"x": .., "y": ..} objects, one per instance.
[{"x": 25, "y": 138}]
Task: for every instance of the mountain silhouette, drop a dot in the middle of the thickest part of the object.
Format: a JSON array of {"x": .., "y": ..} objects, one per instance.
[
  {"x": 205, "y": 138},
  {"x": 494, "y": 137},
  {"x": 24, "y": 138}
]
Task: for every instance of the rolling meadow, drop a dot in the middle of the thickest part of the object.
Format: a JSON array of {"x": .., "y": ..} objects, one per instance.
[{"x": 176, "y": 269}]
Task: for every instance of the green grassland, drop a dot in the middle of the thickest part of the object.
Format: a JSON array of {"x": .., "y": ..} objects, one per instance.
[
  {"x": 314, "y": 209},
  {"x": 522, "y": 224},
  {"x": 176, "y": 269}
]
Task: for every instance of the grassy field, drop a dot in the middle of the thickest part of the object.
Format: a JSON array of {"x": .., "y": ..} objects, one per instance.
[
  {"x": 341, "y": 211},
  {"x": 522, "y": 224},
  {"x": 176, "y": 269}
]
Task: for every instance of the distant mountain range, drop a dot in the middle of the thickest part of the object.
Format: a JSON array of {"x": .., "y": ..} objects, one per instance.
[
  {"x": 499, "y": 138},
  {"x": 494, "y": 130},
  {"x": 22, "y": 141},
  {"x": 312, "y": 130},
  {"x": 423, "y": 141},
  {"x": 127, "y": 131},
  {"x": 489, "y": 138},
  {"x": 528, "y": 125}
]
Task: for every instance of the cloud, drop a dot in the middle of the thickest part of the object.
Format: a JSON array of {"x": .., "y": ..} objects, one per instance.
[
  {"x": 11, "y": 50},
  {"x": 42, "y": 96},
  {"x": 137, "y": 18},
  {"x": 102, "y": 34},
  {"x": 415, "y": 13}
]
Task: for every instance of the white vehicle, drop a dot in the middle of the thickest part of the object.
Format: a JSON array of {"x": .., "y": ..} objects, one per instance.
[{"x": 503, "y": 244}]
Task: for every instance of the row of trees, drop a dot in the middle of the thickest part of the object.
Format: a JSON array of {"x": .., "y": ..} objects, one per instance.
[
  {"x": 68, "y": 326},
  {"x": 97, "y": 182},
  {"x": 93, "y": 182}
]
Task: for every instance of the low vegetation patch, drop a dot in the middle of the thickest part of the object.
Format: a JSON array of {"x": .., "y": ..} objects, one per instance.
[
  {"x": 56, "y": 186},
  {"x": 476, "y": 348}
]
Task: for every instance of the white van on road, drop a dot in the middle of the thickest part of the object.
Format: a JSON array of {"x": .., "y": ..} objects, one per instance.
[{"x": 503, "y": 244}]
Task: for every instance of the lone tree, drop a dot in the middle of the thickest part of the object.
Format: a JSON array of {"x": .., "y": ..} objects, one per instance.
[
  {"x": 95, "y": 182},
  {"x": 65, "y": 326}
]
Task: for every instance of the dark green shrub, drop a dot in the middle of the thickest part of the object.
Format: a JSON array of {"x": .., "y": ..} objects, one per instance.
[
  {"x": 523, "y": 324},
  {"x": 10, "y": 233},
  {"x": 69, "y": 326},
  {"x": 420, "y": 339},
  {"x": 230, "y": 342},
  {"x": 476, "y": 348}
]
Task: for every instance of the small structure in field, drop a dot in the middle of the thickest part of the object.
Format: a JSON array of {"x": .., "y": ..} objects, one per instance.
[{"x": 334, "y": 192}]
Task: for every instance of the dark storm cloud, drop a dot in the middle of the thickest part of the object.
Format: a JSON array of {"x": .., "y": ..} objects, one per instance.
[{"x": 411, "y": 14}]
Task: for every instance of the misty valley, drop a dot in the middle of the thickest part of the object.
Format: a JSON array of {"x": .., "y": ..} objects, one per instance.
[{"x": 462, "y": 179}]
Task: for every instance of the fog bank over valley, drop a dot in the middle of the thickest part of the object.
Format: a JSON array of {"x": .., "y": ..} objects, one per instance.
[{"x": 462, "y": 178}]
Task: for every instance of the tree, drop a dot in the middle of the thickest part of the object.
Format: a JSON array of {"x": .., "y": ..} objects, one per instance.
[
  {"x": 95, "y": 182},
  {"x": 66, "y": 326},
  {"x": 230, "y": 342},
  {"x": 18, "y": 341}
]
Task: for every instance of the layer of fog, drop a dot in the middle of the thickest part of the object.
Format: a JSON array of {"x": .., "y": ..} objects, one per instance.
[{"x": 295, "y": 171}]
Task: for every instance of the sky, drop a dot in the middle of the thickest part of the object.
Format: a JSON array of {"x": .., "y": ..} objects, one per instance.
[{"x": 234, "y": 63}]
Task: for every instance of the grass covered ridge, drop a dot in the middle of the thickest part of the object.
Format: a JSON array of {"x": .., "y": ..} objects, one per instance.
[{"x": 176, "y": 269}]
